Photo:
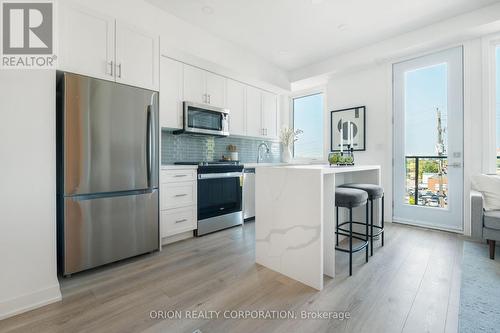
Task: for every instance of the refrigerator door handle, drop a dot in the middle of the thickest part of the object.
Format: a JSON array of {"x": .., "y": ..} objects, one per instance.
[{"x": 149, "y": 147}]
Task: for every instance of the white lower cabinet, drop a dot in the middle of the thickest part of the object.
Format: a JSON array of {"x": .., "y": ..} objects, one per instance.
[
  {"x": 178, "y": 194},
  {"x": 178, "y": 202},
  {"x": 177, "y": 220}
]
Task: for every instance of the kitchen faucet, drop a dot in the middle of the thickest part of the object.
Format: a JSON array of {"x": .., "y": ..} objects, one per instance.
[{"x": 263, "y": 144}]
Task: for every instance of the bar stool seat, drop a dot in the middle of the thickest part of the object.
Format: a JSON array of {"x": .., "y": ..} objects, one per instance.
[
  {"x": 374, "y": 192},
  {"x": 351, "y": 198}
]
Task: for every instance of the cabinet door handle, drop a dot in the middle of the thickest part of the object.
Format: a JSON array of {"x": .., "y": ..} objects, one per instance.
[
  {"x": 180, "y": 221},
  {"x": 111, "y": 67},
  {"x": 178, "y": 176},
  {"x": 119, "y": 70},
  {"x": 208, "y": 99},
  {"x": 180, "y": 195}
]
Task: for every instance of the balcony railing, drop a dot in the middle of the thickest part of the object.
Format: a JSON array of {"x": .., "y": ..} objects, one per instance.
[{"x": 436, "y": 168}]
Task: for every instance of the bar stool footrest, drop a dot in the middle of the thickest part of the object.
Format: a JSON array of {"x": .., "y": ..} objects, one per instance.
[{"x": 354, "y": 249}]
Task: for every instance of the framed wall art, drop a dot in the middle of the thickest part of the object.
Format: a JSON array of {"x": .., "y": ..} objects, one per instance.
[{"x": 348, "y": 127}]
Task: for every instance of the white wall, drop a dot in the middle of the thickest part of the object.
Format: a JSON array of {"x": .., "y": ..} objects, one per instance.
[
  {"x": 372, "y": 87},
  {"x": 28, "y": 191}
]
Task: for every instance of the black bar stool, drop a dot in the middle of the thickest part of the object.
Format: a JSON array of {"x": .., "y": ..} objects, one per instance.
[
  {"x": 350, "y": 198},
  {"x": 374, "y": 192}
]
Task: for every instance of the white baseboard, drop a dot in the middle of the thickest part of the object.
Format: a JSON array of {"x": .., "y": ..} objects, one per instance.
[{"x": 14, "y": 306}]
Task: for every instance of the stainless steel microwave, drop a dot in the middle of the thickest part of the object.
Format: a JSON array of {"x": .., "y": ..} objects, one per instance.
[{"x": 205, "y": 119}]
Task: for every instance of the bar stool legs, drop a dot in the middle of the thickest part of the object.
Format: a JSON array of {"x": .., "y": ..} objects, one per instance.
[
  {"x": 337, "y": 226},
  {"x": 365, "y": 238},
  {"x": 350, "y": 242},
  {"x": 372, "y": 225}
]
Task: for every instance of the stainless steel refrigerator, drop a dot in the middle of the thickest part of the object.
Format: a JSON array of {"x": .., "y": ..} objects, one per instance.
[{"x": 107, "y": 172}]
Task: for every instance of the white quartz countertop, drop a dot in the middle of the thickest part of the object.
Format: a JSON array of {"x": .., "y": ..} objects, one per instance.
[
  {"x": 327, "y": 169},
  {"x": 178, "y": 167},
  {"x": 256, "y": 165}
]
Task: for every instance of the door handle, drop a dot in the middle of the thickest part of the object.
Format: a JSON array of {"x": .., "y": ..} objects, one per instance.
[
  {"x": 208, "y": 99},
  {"x": 149, "y": 162},
  {"x": 178, "y": 176},
  {"x": 111, "y": 67},
  {"x": 180, "y": 221},
  {"x": 119, "y": 70},
  {"x": 180, "y": 195}
]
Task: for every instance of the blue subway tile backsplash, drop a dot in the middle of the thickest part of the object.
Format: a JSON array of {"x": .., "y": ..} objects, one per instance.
[{"x": 188, "y": 148}]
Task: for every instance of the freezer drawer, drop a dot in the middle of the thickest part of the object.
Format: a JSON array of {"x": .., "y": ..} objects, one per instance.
[{"x": 102, "y": 230}]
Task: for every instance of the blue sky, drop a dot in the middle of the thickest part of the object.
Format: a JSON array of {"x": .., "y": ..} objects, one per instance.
[
  {"x": 426, "y": 89},
  {"x": 308, "y": 116}
]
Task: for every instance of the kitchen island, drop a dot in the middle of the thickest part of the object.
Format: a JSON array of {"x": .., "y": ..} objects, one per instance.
[{"x": 295, "y": 217}]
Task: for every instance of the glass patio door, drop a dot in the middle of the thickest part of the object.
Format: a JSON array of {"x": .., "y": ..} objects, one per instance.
[{"x": 428, "y": 141}]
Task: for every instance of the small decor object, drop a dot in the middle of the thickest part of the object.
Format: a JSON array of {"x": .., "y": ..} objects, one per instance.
[
  {"x": 344, "y": 158},
  {"x": 287, "y": 137},
  {"x": 348, "y": 129},
  {"x": 233, "y": 152}
]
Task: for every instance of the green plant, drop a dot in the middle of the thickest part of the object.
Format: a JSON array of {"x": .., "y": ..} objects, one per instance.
[
  {"x": 333, "y": 158},
  {"x": 288, "y": 135}
]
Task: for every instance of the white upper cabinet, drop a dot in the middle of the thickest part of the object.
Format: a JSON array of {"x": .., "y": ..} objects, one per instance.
[
  {"x": 137, "y": 57},
  {"x": 201, "y": 86},
  {"x": 194, "y": 84},
  {"x": 270, "y": 115},
  {"x": 216, "y": 89},
  {"x": 171, "y": 93},
  {"x": 96, "y": 45},
  {"x": 87, "y": 43},
  {"x": 236, "y": 104},
  {"x": 254, "y": 112}
]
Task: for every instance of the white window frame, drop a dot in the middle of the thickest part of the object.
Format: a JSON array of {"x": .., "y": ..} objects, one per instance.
[
  {"x": 304, "y": 93},
  {"x": 489, "y": 45}
]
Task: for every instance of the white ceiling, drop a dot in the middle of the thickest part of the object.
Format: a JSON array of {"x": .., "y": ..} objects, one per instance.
[{"x": 294, "y": 33}]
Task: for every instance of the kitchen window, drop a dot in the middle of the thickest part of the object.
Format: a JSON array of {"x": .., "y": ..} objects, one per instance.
[{"x": 308, "y": 114}]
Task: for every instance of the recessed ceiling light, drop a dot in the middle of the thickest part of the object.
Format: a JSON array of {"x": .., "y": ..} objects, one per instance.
[
  {"x": 207, "y": 10},
  {"x": 342, "y": 27}
]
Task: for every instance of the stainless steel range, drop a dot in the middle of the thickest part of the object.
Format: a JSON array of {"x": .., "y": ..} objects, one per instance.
[{"x": 219, "y": 195}]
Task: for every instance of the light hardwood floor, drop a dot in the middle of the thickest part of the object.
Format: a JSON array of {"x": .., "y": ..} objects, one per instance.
[{"x": 410, "y": 285}]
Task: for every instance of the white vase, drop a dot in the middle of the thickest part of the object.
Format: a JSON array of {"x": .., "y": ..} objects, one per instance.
[{"x": 286, "y": 156}]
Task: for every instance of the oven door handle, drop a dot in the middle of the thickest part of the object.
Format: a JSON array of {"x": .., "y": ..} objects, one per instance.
[{"x": 220, "y": 175}]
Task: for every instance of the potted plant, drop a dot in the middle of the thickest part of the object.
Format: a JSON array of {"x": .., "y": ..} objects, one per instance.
[{"x": 287, "y": 137}]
